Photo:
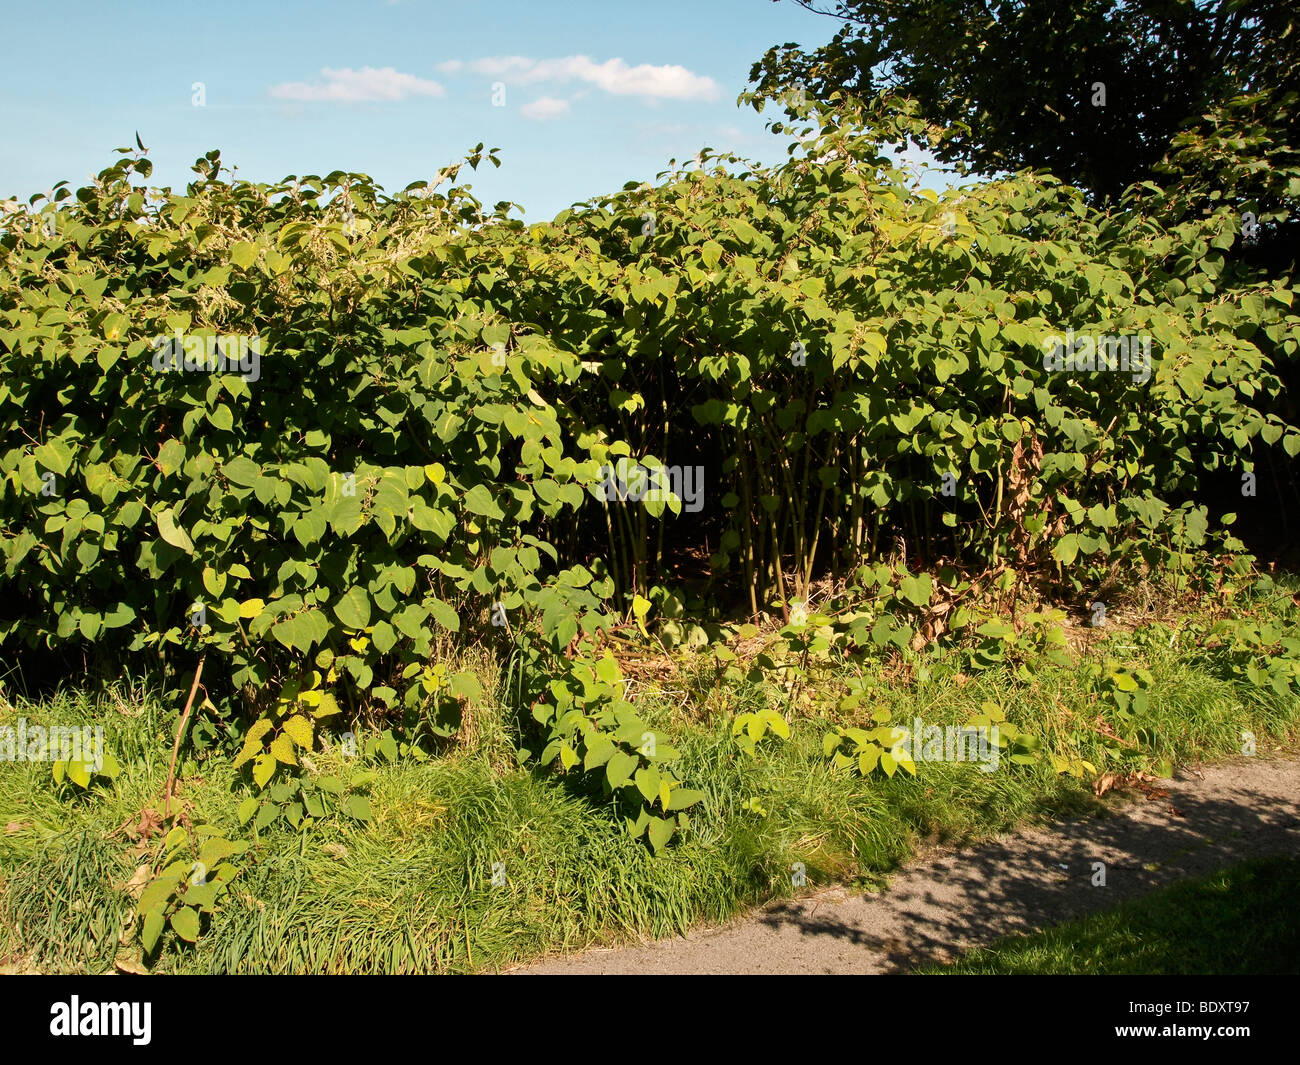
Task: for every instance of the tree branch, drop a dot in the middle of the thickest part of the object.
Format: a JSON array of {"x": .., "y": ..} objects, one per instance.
[{"x": 180, "y": 733}]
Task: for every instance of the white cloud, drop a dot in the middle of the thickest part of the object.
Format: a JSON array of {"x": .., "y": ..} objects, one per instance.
[
  {"x": 545, "y": 107},
  {"x": 666, "y": 82},
  {"x": 356, "y": 86}
]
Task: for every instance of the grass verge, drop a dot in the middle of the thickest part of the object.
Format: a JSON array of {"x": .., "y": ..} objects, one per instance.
[
  {"x": 1236, "y": 922},
  {"x": 471, "y": 862}
]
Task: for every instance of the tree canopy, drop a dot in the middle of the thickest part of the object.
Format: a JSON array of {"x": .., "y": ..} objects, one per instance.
[{"x": 1093, "y": 91}]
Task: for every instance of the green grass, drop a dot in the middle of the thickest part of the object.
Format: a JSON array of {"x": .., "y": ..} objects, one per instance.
[
  {"x": 411, "y": 891},
  {"x": 1238, "y": 921}
]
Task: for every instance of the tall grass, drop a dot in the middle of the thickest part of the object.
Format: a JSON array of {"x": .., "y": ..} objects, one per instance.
[{"x": 413, "y": 891}]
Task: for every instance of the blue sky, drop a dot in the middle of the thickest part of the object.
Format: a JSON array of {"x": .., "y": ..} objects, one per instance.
[{"x": 596, "y": 92}]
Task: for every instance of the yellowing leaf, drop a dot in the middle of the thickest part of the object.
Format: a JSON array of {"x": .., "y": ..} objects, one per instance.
[
  {"x": 328, "y": 706},
  {"x": 263, "y": 769},
  {"x": 257, "y": 730},
  {"x": 282, "y": 748},
  {"x": 300, "y": 730},
  {"x": 641, "y": 607}
]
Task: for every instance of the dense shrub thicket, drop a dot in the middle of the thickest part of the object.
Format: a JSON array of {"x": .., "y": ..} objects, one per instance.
[{"x": 416, "y": 447}]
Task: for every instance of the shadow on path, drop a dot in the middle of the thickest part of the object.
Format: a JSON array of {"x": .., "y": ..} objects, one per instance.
[{"x": 1213, "y": 817}]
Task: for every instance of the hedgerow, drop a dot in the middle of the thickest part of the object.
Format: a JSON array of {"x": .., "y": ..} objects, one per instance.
[{"x": 306, "y": 440}]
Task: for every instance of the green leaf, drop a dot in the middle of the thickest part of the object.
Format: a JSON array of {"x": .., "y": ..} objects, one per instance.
[
  {"x": 353, "y": 609},
  {"x": 1124, "y": 682},
  {"x": 465, "y": 685},
  {"x": 154, "y": 922},
  {"x": 55, "y": 456},
  {"x": 661, "y": 831},
  {"x": 243, "y": 254},
  {"x": 683, "y": 798},
  {"x": 173, "y": 533},
  {"x": 478, "y": 500},
  {"x": 158, "y": 891},
  {"x": 600, "y": 749},
  {"x": 358, "y": 806},
  {"x": 916, "y": 590},
  {"x": 1066, "y": 549},
  {"x": 619, "y": 768},
  {"x": 221, "y": 417},
  {"x": 214, "y": 582},
  {"x": 240, "y": 470},
  {"x": 443, "y": 614},
  {"x": 185, "y": 922},
  {"x": 647, "y": 783},
  {"x": 384, "y": 637},
  {"x": 217, "y": 849},
  {"x": 171, "y": 457}
]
